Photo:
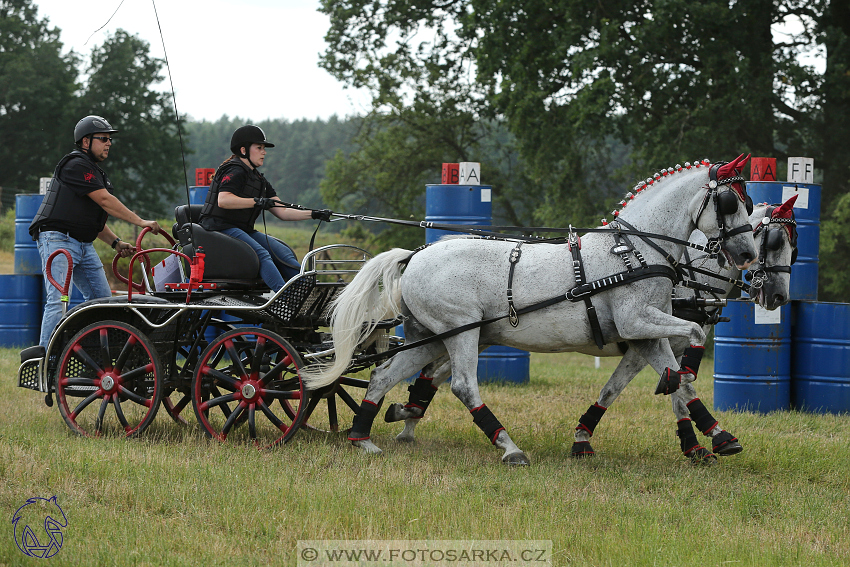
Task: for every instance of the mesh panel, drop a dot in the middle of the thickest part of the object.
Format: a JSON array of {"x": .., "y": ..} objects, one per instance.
[
  {"x": 28, "y": 375},
  {"x": 288, "y": 305}
]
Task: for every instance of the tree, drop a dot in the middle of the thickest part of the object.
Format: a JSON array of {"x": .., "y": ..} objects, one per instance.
[
  {"x": 37, "y": 89},
  {"x": 669, "y": 82},
  {"x": 145, "y": 165}
]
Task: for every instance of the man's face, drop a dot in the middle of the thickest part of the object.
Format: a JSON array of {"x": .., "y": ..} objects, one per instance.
[{"x": 100, "y": 144}]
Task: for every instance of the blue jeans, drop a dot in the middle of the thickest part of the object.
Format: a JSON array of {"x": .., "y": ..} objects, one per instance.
[
  {"x": 277, "y": 260},
  {"x": 88, "y": 276}
]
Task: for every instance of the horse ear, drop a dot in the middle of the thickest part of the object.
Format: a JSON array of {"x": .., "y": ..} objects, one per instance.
[
  {"x": 733, "y": 168},
  {"x": 742, "y": 162},
  {"x": 786, "y": 209}
]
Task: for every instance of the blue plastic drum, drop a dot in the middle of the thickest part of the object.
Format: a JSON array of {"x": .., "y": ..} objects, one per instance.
[
  {"x": 752, "y": 359},
  {"x": 472, "y": 204},
  {"x": 820, "y": 374},
  {"x": 20, "y": 310},
  {"x": 27, "y": 260},
  {"x": 198, "y": 194},
  {"x": 804, "y": 273}
]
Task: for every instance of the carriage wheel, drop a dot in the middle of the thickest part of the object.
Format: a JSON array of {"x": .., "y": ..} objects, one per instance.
[
  {"x": 114, "y": 368},
  {"x": 339, "y": 395},
  {"x": 239, "y": 377}
]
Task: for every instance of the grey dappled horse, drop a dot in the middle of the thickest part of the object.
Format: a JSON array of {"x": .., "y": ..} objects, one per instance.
[
  {"x": 460, "y": 282},
  {"x": 775, "y": 238}
]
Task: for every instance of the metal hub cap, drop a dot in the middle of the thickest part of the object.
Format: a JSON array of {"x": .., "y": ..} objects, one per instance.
[
  {"x": 107, "y": 382},
  {"x": 249, "y": 391}
]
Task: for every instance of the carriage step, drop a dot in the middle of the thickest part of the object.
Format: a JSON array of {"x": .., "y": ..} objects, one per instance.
[{"x": 28, "y": 374}]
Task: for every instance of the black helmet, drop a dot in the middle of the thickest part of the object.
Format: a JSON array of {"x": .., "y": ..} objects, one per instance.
[
  {"x": 244, "y": 136},
  {"x": 91, "y": 125}
]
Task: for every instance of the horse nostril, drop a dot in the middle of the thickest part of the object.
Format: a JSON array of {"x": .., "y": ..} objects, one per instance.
[{"x": 779, "y": 299}]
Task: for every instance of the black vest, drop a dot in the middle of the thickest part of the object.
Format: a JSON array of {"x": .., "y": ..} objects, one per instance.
[
  {"x": 80, "y": 215},
  {"x": 214, "y": 217}
]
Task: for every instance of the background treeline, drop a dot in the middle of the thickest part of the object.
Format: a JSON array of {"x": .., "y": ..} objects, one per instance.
[{"x": 565, "y": 103}]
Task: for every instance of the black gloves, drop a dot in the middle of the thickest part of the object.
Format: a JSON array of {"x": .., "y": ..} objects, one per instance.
[
  {"x": 264, "y": 203},
  {"x": 321, "y": 214}
]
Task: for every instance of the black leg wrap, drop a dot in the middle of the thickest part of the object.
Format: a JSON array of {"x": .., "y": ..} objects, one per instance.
[
  {"x": 582, "y": 449},
  {"x": 487, "y": 422},
  {"x": 692, "y": 357},
  {"x": 689, "y": 444},
  {"x": 362, "y": 426},
  {"x": 699, "y": 413},
  {"x": 669, "y": 382},
  {"x": 590, "y": 419},
  {"x": 421, "y": 393},
  {"x": 724, "y": 444}
]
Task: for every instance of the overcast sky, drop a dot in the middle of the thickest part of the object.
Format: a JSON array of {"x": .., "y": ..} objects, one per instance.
[{"x": 275, "y": 42}]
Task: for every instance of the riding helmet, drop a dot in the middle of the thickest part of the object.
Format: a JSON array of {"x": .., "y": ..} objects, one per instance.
[
  {"x": 91, "y": 125},
  {"x": 244, "y": 136}
]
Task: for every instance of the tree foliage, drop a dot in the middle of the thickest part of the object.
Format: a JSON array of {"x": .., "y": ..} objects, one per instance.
[
  {"x": 37, "y": 82},
  {"x": 667, "y": 81}
]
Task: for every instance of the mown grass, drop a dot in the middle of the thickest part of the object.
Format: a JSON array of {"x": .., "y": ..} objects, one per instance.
[{"x": 174, "y": 498}]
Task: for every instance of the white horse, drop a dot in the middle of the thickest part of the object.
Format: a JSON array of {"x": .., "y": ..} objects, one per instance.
[
  {"x": 775, "y": 238},
  {"x": 454, "y": 285}
]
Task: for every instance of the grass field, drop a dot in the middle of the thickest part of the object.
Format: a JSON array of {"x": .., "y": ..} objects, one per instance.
[{"x": 174, "y": 498}]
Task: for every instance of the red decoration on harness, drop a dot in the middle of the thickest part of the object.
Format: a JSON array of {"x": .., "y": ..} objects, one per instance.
[
  {"x": 786, "y": 211},
  {"x": 734, "y": 169}
]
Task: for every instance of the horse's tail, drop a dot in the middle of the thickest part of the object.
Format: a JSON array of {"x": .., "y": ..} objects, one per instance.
[{"x": 357, "y": 310}]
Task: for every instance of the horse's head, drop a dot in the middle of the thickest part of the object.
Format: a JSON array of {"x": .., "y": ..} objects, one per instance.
[
  {"x": 775, "y": 232},
  {"x": 723, "y": 214}
]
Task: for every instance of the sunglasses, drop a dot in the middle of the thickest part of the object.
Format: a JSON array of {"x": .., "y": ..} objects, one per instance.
[{"x": 103, "y": 139}]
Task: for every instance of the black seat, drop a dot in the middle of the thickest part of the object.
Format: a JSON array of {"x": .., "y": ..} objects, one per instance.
[{"x": 227, "y": 261}]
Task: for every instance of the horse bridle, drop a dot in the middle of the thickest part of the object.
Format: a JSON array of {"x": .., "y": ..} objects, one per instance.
[
  {"x": 772, "y": 240},
  {"x": 725, "y": 203}
]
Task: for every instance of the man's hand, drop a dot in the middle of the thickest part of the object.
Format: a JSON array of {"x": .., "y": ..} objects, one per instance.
[
  {"x": 151, "y": 224},
  {"x": 125, "y": 249}
]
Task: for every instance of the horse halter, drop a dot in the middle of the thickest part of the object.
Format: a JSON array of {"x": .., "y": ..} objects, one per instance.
[
  {"x": 772, "y": 240},
  {"x": 725, "y": 203}
]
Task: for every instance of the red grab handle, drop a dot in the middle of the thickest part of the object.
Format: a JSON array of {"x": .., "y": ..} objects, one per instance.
[{"x": 62, "y": 289}]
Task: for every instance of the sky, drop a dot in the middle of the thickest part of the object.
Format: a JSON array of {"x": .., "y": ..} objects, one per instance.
[{"x": 276, "y": 42}]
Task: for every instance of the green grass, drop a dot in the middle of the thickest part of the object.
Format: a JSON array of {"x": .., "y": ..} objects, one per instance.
[{"x": 174, "y": 498}]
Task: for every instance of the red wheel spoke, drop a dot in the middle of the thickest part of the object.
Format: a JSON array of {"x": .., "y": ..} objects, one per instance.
[
  {"x": 278, "y": 369},
  {"x": 272, "y": 417},
  {"x": 136, "y": 372},
  {"x": 84, "y": 404},
  {"x": 218, "y": 401},
  {"x": 134, "y": 397},
  {"x": 252, "y": 425},
  {"x": 84, "y": 356},
  {"x": 222, "y": 377},
  {"x": 77, "y": 382},
  {"x": 105, "y": 357},
  {"x": 257, "y": 361},
  {"x": 101, "y": 412},
  {"x": 125, "y": 352},
  {"x": 236, "y": 360},
  {"x": 283, "y": 394},
  {"x": 116, "y": 403},
  {"x": 231, "y": 419}
]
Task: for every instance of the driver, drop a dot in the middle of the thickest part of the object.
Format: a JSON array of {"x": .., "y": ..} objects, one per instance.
[
  {"x": 239, "y": 193},
  {"x": 73, "y": 213}
]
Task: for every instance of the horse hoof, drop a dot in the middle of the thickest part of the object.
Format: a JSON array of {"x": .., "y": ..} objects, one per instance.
[
  {"x": 516, "y": 460},
  {"x": 724, "y": 444},
  {"x": 367, "y": 446},
  {"x": 668, "y": 382},
  {"x": 394, "y": 413},
  {"x": 701, "y": 456},
  {"x": 582, "y": 449},
  {"x": 405, "y": 438}
]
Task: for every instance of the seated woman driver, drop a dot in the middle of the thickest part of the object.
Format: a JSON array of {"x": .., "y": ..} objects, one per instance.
[{"x": 239, "y": 193}]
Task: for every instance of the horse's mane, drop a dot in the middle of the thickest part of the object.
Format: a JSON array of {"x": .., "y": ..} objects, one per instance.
[{"x": 642, "y": 186}]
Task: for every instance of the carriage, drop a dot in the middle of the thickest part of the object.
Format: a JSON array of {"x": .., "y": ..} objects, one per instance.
[{"x": 213, "y": 337}]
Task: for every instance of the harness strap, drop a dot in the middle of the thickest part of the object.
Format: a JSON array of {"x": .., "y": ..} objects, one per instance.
[
  {"x": 578, "y": 269},
  {"x": 516, "y": 253}
]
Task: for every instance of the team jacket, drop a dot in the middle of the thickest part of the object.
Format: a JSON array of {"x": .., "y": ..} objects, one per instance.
[{"x": 234, "y": 177}]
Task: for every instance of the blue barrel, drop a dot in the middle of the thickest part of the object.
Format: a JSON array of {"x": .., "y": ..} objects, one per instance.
[
  {"x": 804, "y": 273},
  {"x": 198, "y": 194},
  {"x": 472, "y": 204},
  {"x": 27, "y": 260},
  {"x": 752, "y": 359},
  {"x": 20, "y": 310},
  {"x": 820, "y": 373},
  {"x": 456, "y": 204}
]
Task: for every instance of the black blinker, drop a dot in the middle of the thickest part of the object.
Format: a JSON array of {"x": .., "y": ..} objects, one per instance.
[
  {"x": 774, "y": 239},
  {"x": 727, "y": 202},
  {"x": 749, "y": 203}
]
